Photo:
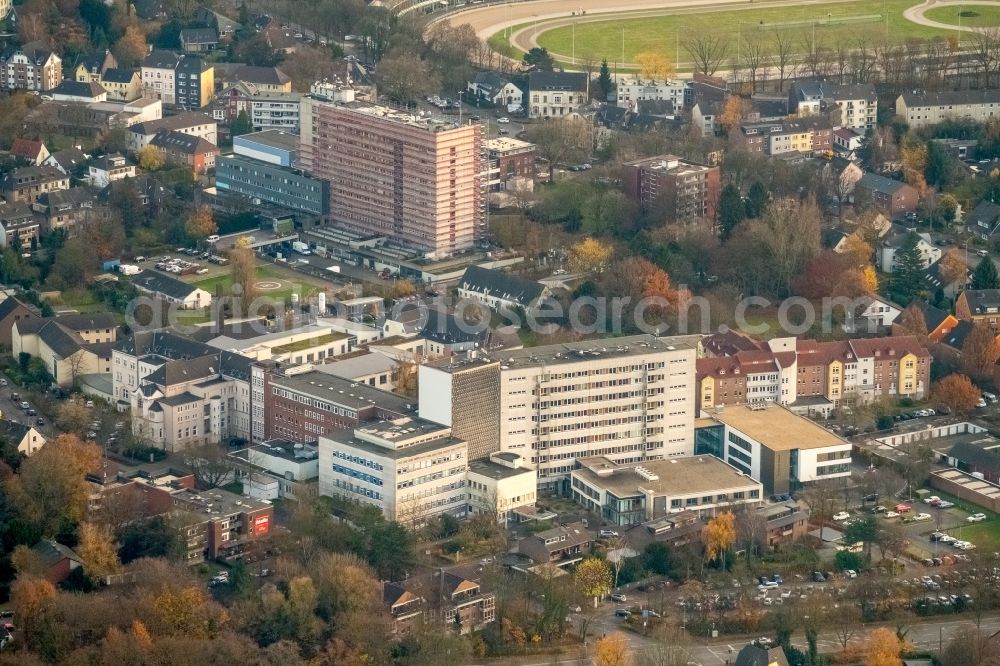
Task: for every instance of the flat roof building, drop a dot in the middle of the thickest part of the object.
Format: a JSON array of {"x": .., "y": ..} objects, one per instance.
[
  {"x": 409, "y": 468},
  {"x": 774, "y": 445},
  {"x": 634, "y": 493},
  {"x": 630, "y": 399}
]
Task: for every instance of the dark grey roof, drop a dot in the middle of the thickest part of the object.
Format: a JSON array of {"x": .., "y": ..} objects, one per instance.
[
  {"x": 271, "y": 76},
  {"x": 751, "y": 655},
  {"x": 52, "y": 552},
  {"x": 69, "y": 158},
  {"x": 150, "y": 9},
  {"x": 199, "y": 36},
  {"x": 974, "y": 455},
  {"x": 828, "y": 91},
  {"x": 161, "y": 283},
  {"x": 616, "y": 117},
  {"x": 37, "y": 51},
  {"x": 165, "y": 343},
  {"x": 87, "y": 322},
  {"x": 181, "y": 399},
  {"x": 178, "y": 122},
  {"x": 15, "y": 214},
  {"x": 500, "y": 284},
  {"x": 950, "y": 98},
  {"x": 878, "y": 183},
  {"x": 769, "y": 107},
  {"x": 181, "y": 142},
  {"x": 143, "y": 184},
  {"x": 235, "y": 365},
  {"x": 79, "y": 88},
  {"x": 119, "y": 75},
  {"x": 12, "y": 431},
  {"x": 186, "y": 370},
  {"x": 986, "y": 214},
  {"x": 98, "y": 61},
  {"x": 192, "y": 65},
  {"x": 490, "y": 81},
  {"x": 831, "y": 238},
  {"x": 59, "y": 340},
  {"x": 956, "y": 338},
  {"x": 161, "y": 59},
  {"x": 933, "y": 316},
  {"x": 30, "y": 175},
  {"x": 932, "y": 276},
  {"x": 10, "y": 304},
  {"x": 982, "y": 300},
  {"x": 60, "y": 200},
  {"x": 565, "y": 81}
]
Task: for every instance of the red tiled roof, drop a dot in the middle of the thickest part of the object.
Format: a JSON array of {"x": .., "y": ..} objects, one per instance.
[{"x": 26, "y": 148}]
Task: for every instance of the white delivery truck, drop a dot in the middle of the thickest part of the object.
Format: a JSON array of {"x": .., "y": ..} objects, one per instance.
[{"x": 300, "y": 247}]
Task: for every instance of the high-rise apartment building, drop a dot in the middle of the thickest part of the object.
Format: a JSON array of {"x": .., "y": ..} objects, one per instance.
[
  {"x": 417, "y": 180},
  {"x": 686, "y": 191},
  {"x": 629, "y": 399}
]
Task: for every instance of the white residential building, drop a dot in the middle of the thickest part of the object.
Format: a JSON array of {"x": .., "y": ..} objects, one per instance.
[
  {"x": 501, "y": 484},
  {"x": 921, "y": 109},
  {"x": 158, "y": 78},
  {"x": 409, "y": 468},
  {"x": 630, "y": 399},
  {"x": 631, "y": 91}
]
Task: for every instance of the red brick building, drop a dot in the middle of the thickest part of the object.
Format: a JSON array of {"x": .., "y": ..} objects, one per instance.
[
  {"x": 686, "y": 190},
  {"x": 510, "y": 159},
  {"x": 301, "y": 406},
  {"x": 186, "y": 150}
]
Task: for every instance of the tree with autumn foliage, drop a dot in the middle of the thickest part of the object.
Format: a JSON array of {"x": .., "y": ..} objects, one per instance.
[
  {"x": 830, "y": 274},
  {"x": 201, "y": 223},
  {"x": 243, "y": 268},
  {"x": 953, "y": 268},
  {"x": 150, "y": 158},
  {"x": 613, "y": 650},
  {"x": 51, "y": 488},
  {"x": 654, "y": 66},
  {"x": 131, "y": 47},
  {"x": 980, "y": 352},
  {"x": 858, "y": 250},
  {"x": 883, "y": 648},
  {"x": 98, "y": 550},
  {"x": 733, "y": 113},
  {"x": 912, "y": 320},
  {"x": 593, "y": 578},
  {"x": 957, "y": 392},
  {"x": 914, "y": 157},
  {"x": 719, "y": 536},
  {"x": 589, "y": 256},
  {"x": 31, "y": 597}
]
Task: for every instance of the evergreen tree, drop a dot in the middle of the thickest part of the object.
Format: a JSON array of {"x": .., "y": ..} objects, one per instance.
[
  {"x": 907, "y": 276},
  {"x": 938, "y": 170},
  {"x": 756, "y": 200},
  {"x": 985, "y": 276},
  {"x": 604, "y": 81},
  {"x": 241, "y": 124},
  {"x": 731, "y": 211}
]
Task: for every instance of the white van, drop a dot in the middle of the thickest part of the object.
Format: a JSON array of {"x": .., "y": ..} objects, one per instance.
[{"x": 212, "y": 238}]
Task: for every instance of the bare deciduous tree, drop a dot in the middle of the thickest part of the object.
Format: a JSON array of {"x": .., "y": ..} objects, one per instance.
[
  {"x": 752, "y": 57},
  {"x": 782, "y": 56},
  {"x": 707, "y": 49}
]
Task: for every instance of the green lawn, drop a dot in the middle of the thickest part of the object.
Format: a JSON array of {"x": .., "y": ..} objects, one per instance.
[
  {"x": 833, "y": 22},
  {"x": 985, "y": 535},
  {"x": 290, "y": 281},
  {"x": 977, "y": 16}
]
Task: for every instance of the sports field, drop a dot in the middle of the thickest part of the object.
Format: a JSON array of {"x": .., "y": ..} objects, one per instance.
[
  {"x": 973, "y": 16},
  {"x": 847, "y": 23}
]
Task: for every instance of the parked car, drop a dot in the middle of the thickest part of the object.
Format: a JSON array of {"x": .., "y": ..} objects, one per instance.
[
  {"x": 976, "y": 518},
  {"x": 503, "y": 121},
  {"x": 619, "y": 597},
  {"x": 605, "y": 534},
  {"x": 621, "y": 612},
  {"x": 891, "y": 514},
  {"x": 842, "y": 516},
  {"x": 25, "y": 405},
  {"x": 903, "y": 508},
  {"x": 922, "y": 516},
  {"x": 879, "y": 509},
  {"x": 851, "y": 573}
]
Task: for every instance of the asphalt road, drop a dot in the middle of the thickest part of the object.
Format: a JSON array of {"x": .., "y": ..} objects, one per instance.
[{"x": 928, "y": 635}]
